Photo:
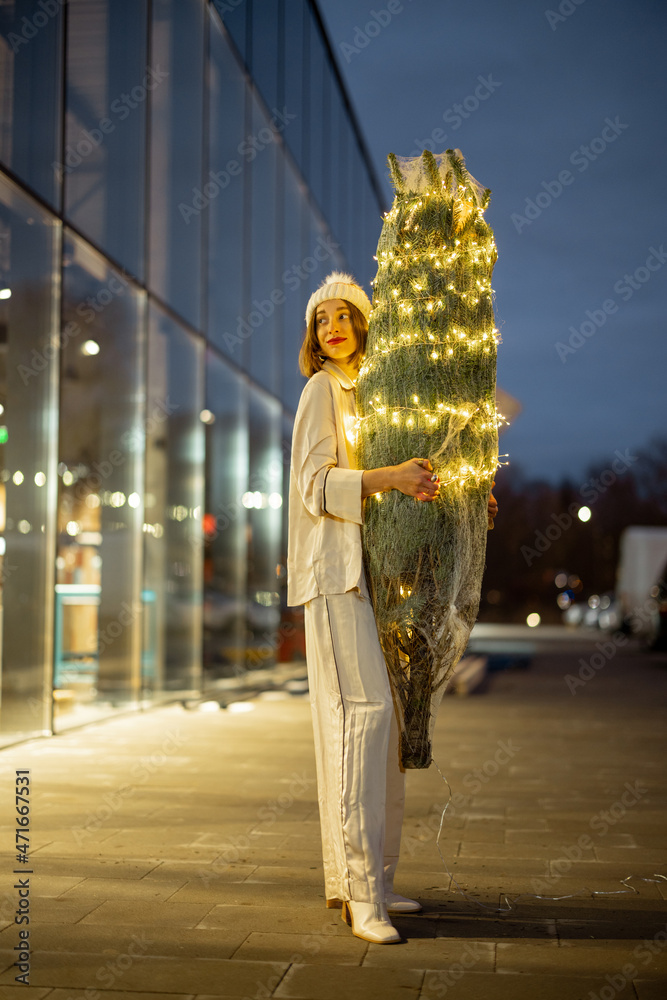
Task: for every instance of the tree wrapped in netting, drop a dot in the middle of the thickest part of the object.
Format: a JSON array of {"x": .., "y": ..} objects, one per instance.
[{"x": 426, "y": 388}]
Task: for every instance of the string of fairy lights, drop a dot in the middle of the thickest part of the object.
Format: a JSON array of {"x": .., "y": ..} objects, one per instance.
[{"x": 419, "y": 295}]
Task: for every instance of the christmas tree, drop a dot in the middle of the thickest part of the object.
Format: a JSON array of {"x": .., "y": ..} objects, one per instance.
[{"x": 426, "y": 389}]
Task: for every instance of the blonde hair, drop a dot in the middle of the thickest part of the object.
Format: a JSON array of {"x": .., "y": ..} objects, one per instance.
[{"x": 310, "y": 355}]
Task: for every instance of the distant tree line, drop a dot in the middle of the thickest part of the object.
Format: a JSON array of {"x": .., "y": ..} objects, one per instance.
[{"x": 538, "y": 535}]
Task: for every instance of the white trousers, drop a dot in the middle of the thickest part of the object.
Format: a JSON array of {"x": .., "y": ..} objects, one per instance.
[{"x": 361, "y": 787}]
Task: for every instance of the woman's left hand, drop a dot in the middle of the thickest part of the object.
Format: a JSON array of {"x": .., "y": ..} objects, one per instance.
[{"x": 492, "y": 508}]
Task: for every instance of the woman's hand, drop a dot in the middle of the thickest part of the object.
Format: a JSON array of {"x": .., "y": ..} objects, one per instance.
[
  {"x": 492, "y": 508},
  {"x": 415, "y": 478}
]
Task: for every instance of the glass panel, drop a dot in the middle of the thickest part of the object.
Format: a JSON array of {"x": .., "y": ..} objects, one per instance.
[
  {"x": 348, "y": 223},
  {"x": 338, "y": 188},
  {"x": 98, "y": 606},
  {"x": 354, "y": 250},
  {"x": 29, "y": 243},
  {"x": 265, "y": 42},
  {"x": 318, "y": 65},
  {"x": 30, "y": 91},
  {"x": 296, "y": 58},
  {"x": 225, "y": 522},
  {"x": 226, "y": 228},
  {"x": 266, "y": 291},
  {"x": 291, "y": 634},
  {"x": 295, "y": 288},
  {"x": 176, "y": 196},
  {"x": 108, "y": 85},
  {"x": 264, "y": 500},
  {"x": 173, "y": 541},
  {"x": 234, "y": 14}
]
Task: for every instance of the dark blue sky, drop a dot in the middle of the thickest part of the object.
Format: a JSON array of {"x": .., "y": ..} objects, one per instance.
[{"x": 549, "y": 86}]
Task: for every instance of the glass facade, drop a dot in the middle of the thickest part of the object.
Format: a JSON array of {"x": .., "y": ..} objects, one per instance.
[{"x": 176, "y": 177}]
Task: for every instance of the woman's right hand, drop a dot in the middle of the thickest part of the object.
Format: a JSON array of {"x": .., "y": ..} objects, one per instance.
[{"x": 414, "y": 479}]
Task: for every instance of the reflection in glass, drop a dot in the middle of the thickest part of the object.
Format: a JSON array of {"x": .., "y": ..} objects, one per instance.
[
  {"x": 336, "y": 213},
  {"x": 295, "y": 63},
  {"x": 225, "y": 601},
  {"x": 264, "y": 500},
  {"x": 318, "y": 126},
  {"x": 235, "y": 13},
  {"x": 100, "y": 472},
  {"x": 295, "y": 289},
  {"x": 266, "y": 290},
  {"x": 29, "y": 242},
  {"x": 173, "y": 507},
  {"x": 225, "y": 211},
  {"x": 266, "y": 39},
  {"x": 108, "y": 89},
  {"x": 176, "y": 196},
  {"x": 30, "y": 94}
]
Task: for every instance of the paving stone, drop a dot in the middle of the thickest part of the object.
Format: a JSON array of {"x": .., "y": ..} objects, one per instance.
[
  {"x": 63, "y": 911},
  {"x": 229, "y": 918},
  {"x": 491, "y": 986},
  {"x": 649, "y": 855},
  {"x": 186, "y": 871},
  {"x": 123, "y": 888},
  {"x": 517, "y": 851},
  {"x": 119, "y": 911},
  {"x": 157, "y": 975},
  {"x": 320, "y": 982},
  {"x": 650, "y": 990},
  {"x": 86, "y": 867},
  {"x": 276, "y": 894},
  {"x": 633, "y": 926},
  {"x": 30, "y": 993},
  {"x": 117, "y": 995},
  {"x": 492, "y": 928},
  {"x": 436, "y": 953},
  {"x": 156, "y": 940},
  {"x": 303, "y": 948}
]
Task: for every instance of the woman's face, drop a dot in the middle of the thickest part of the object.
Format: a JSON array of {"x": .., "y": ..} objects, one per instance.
[{"x": 335, "y": 332}]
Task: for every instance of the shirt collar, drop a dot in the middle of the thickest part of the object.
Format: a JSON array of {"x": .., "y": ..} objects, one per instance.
[{"x": 333, "y": 369}]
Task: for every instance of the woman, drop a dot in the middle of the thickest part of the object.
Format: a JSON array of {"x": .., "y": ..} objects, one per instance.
[{"x": 361, "y": 785}]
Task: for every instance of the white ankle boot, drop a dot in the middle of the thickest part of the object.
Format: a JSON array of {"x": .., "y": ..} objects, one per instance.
[
  {"x": 370, "y": 922},
  {"x": 396, "y": 903},
  {"x": 401, "y": 904}
]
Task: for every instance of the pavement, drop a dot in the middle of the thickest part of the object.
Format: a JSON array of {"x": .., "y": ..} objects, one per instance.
[{"x": 176, "y": 853}]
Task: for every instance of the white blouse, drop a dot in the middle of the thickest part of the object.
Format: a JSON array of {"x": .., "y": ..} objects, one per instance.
[{"x": 325, "y": 505}]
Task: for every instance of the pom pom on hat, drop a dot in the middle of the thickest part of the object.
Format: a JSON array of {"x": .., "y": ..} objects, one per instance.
[{"x": 339, "y": 286}]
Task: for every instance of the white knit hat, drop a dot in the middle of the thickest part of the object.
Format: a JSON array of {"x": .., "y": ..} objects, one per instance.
[{"x": 339, "y": 286}]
